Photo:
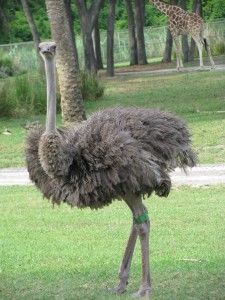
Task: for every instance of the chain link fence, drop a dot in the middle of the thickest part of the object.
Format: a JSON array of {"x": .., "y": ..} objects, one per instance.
[{"x": 24, "y": 55}]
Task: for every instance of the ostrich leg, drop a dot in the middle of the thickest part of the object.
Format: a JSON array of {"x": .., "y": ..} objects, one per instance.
[
  {"x": 124, "y": 269},
  {"x": 141, "y": 227}
]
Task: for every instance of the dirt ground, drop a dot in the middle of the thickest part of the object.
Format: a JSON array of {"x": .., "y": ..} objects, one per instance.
[{"x": 164, "y": 68}]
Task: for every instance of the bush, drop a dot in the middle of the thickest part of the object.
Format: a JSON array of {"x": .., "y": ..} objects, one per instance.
[
  {"x": 31, "y": 93},
  {"x": 6, "y": 67},
  {"x": 24, "y": 94},
  {"x": 218, "y": 48},
  {"x": 91, "y": 87}
]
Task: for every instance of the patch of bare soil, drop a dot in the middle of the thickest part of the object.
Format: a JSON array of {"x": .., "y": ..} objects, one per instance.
[{"x": 220, "y": 60}]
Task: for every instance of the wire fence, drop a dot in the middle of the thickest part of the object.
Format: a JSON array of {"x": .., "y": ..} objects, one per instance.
[{"x": 24, "y": 55}]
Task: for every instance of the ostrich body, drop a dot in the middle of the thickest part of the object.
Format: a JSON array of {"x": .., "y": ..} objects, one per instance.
[{"x": 118, "y": 153}]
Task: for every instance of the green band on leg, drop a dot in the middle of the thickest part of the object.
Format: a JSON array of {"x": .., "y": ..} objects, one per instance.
[{"x": 141, "y": 219}]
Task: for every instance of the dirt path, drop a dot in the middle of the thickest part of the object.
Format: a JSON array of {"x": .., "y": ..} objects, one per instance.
[
  {"x": 166, "y": 71},
  {"x": 202, "y": 175}
]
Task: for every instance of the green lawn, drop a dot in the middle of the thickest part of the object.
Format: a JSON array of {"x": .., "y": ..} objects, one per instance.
[
  {"x": 65, "y": 253},
  {"x": 197, "y": 97}
]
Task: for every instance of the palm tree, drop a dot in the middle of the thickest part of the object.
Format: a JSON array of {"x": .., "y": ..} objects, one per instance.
[{"x": 71, "y": 97}]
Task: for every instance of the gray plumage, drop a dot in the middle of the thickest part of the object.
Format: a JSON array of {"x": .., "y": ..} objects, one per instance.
[{"x": 115, "y": 152}]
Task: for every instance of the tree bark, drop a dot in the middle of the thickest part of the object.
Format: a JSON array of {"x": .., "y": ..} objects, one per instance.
[
  {"x": 71, "y": 97},
  {"x": 167, "y": 56},
  {"x": 87, "y": 20},
  {"x": 4, "y": 21},
  {"x": 110, "y": 38},
  {"x": 185, "y": 46},
  {"x": 139, "y": 17},
  {"x": 97, "y": 45},
  {"x": 132, "y": 36},
  {"x": 33, "y": 29},
  {"x": 70, "y": 17}
]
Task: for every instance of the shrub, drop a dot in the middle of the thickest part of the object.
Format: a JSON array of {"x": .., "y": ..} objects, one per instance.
[
  {"x": 218, "y": 48},
  {"x": 6, "y": 67},
  {"x": 31, "y": 93},
  {"x": 24, "y": 94},
  {"x": 91, "y": 87}
]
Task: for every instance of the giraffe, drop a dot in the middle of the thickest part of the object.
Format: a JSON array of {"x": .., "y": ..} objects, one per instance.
[{"x": 182, "y": 22}]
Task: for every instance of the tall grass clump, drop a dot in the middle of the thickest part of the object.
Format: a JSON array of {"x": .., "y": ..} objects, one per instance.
[
  {"x": 31, "y": 93},
  {"x": 24, "y": 94},
  {"x": 218, "y": 48},
  {"x": 6, "y": 66},
  {"x": 7, "y": 104},
  {"x": 91, "y": 87}
]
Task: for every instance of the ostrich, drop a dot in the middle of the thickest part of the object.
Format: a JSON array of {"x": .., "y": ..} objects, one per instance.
[{"x": 118, "y": 153}]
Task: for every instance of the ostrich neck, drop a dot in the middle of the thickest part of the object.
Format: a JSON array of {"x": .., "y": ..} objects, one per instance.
[{"x": 51, "y": 96}]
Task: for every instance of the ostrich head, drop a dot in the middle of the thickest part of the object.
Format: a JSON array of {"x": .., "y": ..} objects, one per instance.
[{"x": 47, "y": 50}]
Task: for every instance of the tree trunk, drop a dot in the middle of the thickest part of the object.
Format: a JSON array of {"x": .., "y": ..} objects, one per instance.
[
  {"x": 139, "y": 14},
  {"x": 71, "y": 98},
  {"x": 70, "y": 17},
  {"x": 196, "y": 8},
  {"x": 110, "y": 38},
  {"x": 132, "y": 37},
  {"x": 34, "y": 31},
  {"x": 4, "y": 21},
  {"x": 97, "y": 45},
  {"x": 185, "y": 46},
  {"x": 89, "y": 54},
  {"x": 167, "y": 56},
  {"x": 88, "y": 18}
]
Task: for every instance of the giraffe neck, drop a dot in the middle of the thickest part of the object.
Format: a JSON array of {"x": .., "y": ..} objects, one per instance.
[{"x": 162, "y": 6}]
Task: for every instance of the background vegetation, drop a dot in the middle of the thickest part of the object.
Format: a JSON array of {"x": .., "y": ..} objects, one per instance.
[
  {"x": 197, "y": 97},
  {"x": 20, "y": 32}
]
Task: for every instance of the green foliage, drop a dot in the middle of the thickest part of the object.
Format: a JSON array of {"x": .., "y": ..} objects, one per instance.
[
  {"x": 19, "y": 29},
  {"x": 91, "y": 87},
  {"x": 214, "y": 9}
]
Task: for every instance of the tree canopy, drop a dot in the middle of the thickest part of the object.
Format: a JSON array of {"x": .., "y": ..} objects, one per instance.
[{"x": 14, "y": 27}]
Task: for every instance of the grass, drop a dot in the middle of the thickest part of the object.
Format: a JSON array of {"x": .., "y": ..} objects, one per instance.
[
  {"x": 198, "y": 97},
  {"x": 66, "y": 253}
]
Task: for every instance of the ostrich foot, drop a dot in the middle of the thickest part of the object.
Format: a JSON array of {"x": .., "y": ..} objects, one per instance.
[
  {"x": 143, "y": 293},
  {"x": 120, "y": 288}
]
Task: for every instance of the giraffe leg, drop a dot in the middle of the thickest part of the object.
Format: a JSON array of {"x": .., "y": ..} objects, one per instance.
[
  {"x": 207, "y": 47},
  {"x": 178, "y": 54},
  {"x": 200, "y": 48}
]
